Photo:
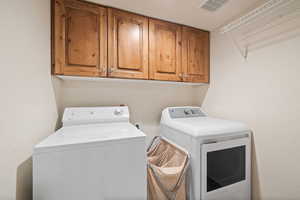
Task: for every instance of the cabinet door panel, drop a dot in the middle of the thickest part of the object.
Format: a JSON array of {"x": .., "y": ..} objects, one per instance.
[
  {"x": 132, "y": 59},
  {"x": 165, "y": 50},
  {"x": 128, "y": 45},
  {"x": 195, "y": 55},
  {"x": 80, "y": 38}
]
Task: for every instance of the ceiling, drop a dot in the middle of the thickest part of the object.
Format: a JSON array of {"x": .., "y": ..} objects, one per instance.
[{"x": 186, "y": 12}]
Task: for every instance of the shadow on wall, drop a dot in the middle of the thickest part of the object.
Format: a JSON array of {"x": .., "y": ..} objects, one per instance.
[
  {"x": 24, "y": 180},
  {"x": 24, "y": 170},
  {"x": 56, "y": 85},
  {"x": 256, "y": 189}
]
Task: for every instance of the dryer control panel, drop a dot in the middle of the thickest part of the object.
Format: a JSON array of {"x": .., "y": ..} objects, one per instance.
[{"x": 185, "y": 112}]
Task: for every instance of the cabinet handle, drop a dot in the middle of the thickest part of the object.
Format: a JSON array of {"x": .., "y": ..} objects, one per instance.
[
  {"x": 181, "y": 75},
  {"x": 111, "y": 70}
]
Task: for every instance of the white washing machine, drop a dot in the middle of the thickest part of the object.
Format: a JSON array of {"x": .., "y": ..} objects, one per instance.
[
  {"x": 220, "y": 153},
  {"x": 96, "y": 155}
]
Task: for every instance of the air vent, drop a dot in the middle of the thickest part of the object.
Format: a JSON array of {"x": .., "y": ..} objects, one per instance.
[{"x": 212, "y": 5}]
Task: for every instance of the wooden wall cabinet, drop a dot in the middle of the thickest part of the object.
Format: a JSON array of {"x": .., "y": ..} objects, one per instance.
[
  {"x": 80, "y": 38},
  {"x": 195, "y": 55},
  {"x": 165, "y": 50},
  {"x": 128, "y": 45},
  {"x": 96, "y": 41}
]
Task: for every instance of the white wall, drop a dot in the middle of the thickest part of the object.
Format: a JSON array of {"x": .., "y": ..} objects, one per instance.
[
  {"x": 27, "y": 102},
  {"x": 145, "y": 99},
  {"x": 264, "y": 92}
]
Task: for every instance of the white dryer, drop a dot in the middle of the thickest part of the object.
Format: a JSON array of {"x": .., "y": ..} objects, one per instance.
[
  {"x": 220, "y": 153},
  {"x": 96, "y": 155}
]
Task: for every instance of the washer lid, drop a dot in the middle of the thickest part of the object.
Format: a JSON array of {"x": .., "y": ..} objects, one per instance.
[
  {"x": 206, "y": 126},
  {"x": 82, "y": 135}
]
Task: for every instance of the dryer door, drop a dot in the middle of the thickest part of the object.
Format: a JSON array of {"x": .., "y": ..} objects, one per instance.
[{"x": 225, "y": 170}]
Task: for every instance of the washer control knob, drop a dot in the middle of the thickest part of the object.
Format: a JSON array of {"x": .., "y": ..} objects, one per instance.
[
  {"x": 187, "y": 112},
  {"x": 118, "y": 112}
]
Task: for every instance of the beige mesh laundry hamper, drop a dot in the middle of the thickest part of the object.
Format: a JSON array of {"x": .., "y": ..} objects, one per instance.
[{"x": 167, "y": 166}]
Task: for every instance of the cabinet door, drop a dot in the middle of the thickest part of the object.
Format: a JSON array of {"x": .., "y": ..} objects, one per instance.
[
  {"x": 128, "y": 45},
  {"x": 80, "y": 38},
  {"x": 195, "y": 55},
  {"x": 165, "y": 50}
]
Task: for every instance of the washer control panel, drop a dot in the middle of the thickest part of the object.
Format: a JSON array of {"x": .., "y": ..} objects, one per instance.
[
  {"x": 92, "y": 115},
  {"x": 185, "y": 112}
]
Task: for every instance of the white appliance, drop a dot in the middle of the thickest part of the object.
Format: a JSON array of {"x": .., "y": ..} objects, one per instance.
[
  {"x": 220, "y": 153},
  {"x": 96, "y": 155}
]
